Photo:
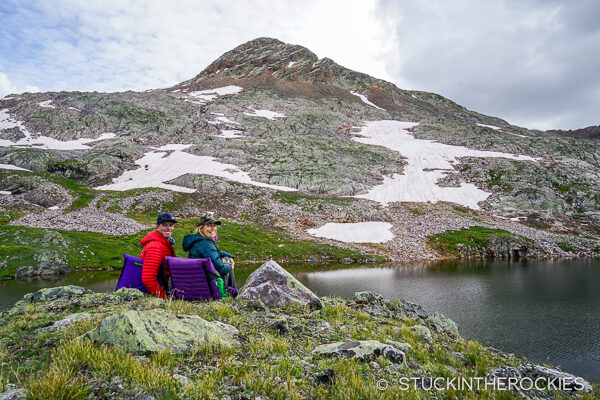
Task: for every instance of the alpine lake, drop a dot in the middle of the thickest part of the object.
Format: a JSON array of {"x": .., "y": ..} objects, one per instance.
[{"x": 546, "y": 311}]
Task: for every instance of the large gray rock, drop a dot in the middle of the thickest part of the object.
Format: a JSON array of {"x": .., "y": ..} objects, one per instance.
[
  {"x": 60, "y": 292},
  {"x": 361, "y": 350},
  {"x": 143, "y": 332},
  {"x": 275, "y": 287}
]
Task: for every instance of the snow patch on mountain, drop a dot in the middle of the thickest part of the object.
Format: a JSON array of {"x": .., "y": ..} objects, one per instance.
[
  {"x": 496, "y": 128},
  {"x": 211, "y": 94},
  {"x": 13, "y": 167},
  {"x": 42, "y": 142},
  {"x": 428, "y": 161},
  {"x": 230, "y": 133},
  {"x": 46, "y": 104},
  {"x": 158, "y": 167},
  {"x": 365, "y": 100},
  {"x": 265, "y": 114},
  {"x": 359, "y": 232}
]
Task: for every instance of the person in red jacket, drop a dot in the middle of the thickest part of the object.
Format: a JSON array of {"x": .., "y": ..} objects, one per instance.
[{"x": 157, "y": 245}]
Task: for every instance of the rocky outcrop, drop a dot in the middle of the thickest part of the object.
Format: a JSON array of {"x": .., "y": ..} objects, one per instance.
[
  {"x": 275, "y": 287},
  {"x": 150, "y": 331},
  {"x": 376, "y": 305},
  {"x": 540, "y": 377},
  {"x": 361, "y": 350},
  {"x": 56, "y": 293},
  {"x": 66, "y": 322}
]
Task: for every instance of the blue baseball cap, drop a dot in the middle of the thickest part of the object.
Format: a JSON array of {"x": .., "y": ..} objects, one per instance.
[{"x": 164, "y": 217}]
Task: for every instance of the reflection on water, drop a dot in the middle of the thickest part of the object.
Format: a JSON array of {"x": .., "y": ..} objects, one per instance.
[{"x": 547, "y": 311}]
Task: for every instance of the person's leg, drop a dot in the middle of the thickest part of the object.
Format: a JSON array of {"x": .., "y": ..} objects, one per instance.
[{"x": 229, "y": 280}]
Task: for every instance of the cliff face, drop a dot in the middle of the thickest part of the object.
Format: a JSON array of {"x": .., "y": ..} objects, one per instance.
[
  {"x": 268, "y": 119},
  {"x": 591, "y": 132}
]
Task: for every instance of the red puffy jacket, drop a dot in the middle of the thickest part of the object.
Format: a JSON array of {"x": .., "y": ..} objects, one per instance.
[{"x": 156, "y": 248}]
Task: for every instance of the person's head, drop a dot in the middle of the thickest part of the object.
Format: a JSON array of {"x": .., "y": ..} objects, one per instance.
[
  {"x": 208, "y": 225},
  {"x": 165, "y": 224}
]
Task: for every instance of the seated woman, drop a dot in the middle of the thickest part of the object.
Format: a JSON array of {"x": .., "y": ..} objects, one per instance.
[
  {"x": 157, "y": 245},
  {"x": 202, "y": 245}
]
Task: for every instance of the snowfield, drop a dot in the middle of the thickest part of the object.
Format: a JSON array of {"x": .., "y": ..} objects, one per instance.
[
  {"x": 359, "y": 232},
  {"x": 158, "y": 167},
  {"x": 43, "y": 142},
  {"x": 428, "y": 161},
  {"x": 265, "y": 114},
  {"x": 366, "y": 101}
]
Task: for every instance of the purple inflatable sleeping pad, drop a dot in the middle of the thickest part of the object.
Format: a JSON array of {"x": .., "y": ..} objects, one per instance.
[
  {"x": 131, "y": 275},
  {"x": 194, "y": 279}
]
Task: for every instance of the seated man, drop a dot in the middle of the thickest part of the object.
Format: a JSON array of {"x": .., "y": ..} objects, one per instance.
[{"x": 157, "y": 245}]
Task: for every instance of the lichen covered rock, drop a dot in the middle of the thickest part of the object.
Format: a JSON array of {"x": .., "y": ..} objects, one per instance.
[
  {"x": 60, "y": 292},
  {"x": 361, "y": 350},
  {"x": 275, "y": 287},
  {"x": 150, "y": 331}
]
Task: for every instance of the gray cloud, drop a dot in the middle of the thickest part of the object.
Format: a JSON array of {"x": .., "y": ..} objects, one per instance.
[{"x": 534, "y": 63}]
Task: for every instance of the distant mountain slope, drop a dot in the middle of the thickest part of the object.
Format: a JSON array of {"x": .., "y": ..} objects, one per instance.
[{"x": 591, "y": 132}]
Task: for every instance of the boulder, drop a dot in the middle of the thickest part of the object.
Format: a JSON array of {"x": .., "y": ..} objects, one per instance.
[
  {"x": 144, "y": 332},
  {"x": 129, "y": 294},
  {"x": 275, "y": 287},
  {"x": 558, "y": 379},
  {"x": 14, "y": 394},
  {"x": 60, "y": 292},
  {"x": 280, "y": 326},
  {"x": 423, "y": 332},
  {"x": 402, "y": 346},
  {"x": 570, "y": 381},
  {"x": 49, "y": 263},
  {"x": 65, "y": 322},
  {"x": 376, "y": 305},
  {"x": 361, "y": 350}
]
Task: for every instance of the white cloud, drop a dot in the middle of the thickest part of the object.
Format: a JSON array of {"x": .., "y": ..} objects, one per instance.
[
  {"x": 7, "y": 87},
  {"x": 532, "y": 63}
]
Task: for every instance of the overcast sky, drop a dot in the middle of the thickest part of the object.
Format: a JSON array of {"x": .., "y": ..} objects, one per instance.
[{"x": 534, "y": 63}]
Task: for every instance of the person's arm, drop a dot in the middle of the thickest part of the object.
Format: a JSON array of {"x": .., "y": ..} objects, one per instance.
[
  {"x": 226, "y": 254},
  {"x": 153, "y": 257},
  {"x": 209, "y": 250}
]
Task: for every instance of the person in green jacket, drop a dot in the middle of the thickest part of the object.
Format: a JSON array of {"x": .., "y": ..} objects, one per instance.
[{"x": 202, "y": 244}]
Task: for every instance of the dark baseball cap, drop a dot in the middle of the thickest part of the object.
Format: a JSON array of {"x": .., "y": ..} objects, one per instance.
[
  {"x": 164, "y": 217},
  {"x": 208, "y": 219}
]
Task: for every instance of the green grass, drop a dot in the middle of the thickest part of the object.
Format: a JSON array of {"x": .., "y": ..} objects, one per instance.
[
  {"x": 564, "y": 246},
  {"x": 495, "y": 179},
  {"x": 85, "y": 250},
  {"x": 448, "y": 242},
  {"x": 254, "y": 243},
  {"x": 90, "y": 250}
]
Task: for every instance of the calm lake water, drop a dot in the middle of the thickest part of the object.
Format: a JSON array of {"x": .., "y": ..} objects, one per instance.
[{"x": 546, "y": 311}]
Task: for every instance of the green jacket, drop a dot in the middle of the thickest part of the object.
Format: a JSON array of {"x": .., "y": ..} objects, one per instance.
[{"x": 201, "y": 247}]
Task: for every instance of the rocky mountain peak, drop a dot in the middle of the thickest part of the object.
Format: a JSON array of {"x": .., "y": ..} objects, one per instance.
[{"x": 267, "y": 57}]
